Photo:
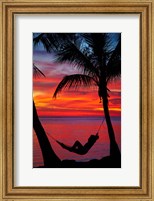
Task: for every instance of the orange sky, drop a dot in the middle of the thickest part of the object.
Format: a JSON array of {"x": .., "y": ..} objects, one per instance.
[{"x": 83, "y": 102}]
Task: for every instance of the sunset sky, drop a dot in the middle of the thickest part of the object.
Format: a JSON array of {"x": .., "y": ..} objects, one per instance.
[{"x": 82, "y": 102}]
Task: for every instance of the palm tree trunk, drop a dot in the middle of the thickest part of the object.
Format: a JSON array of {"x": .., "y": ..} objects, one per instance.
[
  {"x": 49, "y": 156},
  {"x": 114, "y": 149}
]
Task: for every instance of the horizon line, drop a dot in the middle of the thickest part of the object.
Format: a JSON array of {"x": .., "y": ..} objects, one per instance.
[{"x": 77, "y": 116}]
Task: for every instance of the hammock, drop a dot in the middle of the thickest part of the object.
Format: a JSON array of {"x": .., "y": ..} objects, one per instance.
[{"x": 78, "y": 148}]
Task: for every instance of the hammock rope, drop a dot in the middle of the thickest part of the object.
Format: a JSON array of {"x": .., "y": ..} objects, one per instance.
[
  {"x": 51, "y": 136},
  {"x": 78, "y": 148},
  {"x": 96, "y": 132},
  {"x": 100, "y": 126}
]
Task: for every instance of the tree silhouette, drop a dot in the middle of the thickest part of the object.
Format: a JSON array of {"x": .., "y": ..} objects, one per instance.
[{"x": 50, "y": 159}]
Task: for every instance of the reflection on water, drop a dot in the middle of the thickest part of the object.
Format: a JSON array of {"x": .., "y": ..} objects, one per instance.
[{"x": 68, "y": 130}]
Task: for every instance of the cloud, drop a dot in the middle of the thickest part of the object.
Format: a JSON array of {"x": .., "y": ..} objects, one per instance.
[
  {"x": 115, "y": 101},
  {"x": 81, "y": 102},
  {"x": 44, "y": 85}
]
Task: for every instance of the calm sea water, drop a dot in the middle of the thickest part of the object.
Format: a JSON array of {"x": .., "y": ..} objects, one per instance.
[{"x": 68, "y": 130}]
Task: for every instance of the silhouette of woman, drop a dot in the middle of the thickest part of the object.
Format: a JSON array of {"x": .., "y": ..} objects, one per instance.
[{"x": 78, "y": 148}]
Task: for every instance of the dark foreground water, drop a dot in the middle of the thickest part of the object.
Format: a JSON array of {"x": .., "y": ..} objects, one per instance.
[{"x": 68, "y": 130}]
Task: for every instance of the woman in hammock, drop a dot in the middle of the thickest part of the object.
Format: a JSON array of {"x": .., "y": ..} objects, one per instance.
[{"x": 78, "y": 148}]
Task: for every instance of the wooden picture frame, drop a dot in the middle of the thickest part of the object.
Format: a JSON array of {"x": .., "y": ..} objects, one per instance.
[{"x": 145, "y": 9}]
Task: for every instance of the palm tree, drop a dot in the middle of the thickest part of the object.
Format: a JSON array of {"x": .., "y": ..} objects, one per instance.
[
  {"x": 98, "y": 58},
  {"x": 50, "y": 159}
]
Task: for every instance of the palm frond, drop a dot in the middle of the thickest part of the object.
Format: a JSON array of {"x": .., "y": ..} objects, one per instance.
[
  {"x": 41, "y": 38},
  {"x": 48, "y": 40},
  {"x": 103, "y": 45},
  {"x": 97, "y": 42},
  {"x": 71, "y": 54},
  {"x": 52, "y": 41},
  {"x": 114, "y": 72},
  {"x": 114, "y": 63},
  {"x": 37, "y": 39},
  {"x": 74, "y": 81},
  {"x": 37, "y": 72},
  {"x": 111, "y": 41}
]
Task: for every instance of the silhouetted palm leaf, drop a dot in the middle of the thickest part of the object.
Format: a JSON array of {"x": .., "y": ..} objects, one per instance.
[
  {"x": 48, "y": 40},
  {"x": 71, "y": 54},
  {"x": 37, "y": 39},
  {"x": 37, "y": 72},
  {"x": 42, "y": 38},
  {"x": 97, "y": 42},
  {"x": 114, "y": 63},
  {"x": 52, "y": 41},
  {"x": 75, "y": 81}
]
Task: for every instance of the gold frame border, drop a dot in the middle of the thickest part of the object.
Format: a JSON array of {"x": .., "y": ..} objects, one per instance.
[{"x": 10, "y": 8}]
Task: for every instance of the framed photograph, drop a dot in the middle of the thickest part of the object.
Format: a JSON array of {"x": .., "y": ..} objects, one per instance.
[{"x": 76, "y": 100}]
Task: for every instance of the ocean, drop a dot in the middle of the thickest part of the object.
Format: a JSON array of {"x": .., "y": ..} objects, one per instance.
[{"x": 69, "y": 129}]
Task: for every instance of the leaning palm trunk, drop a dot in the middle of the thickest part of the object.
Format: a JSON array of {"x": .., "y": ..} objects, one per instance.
[
  {"x": 49, "y": 157},
  {"x": 114, "y": 149}
]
